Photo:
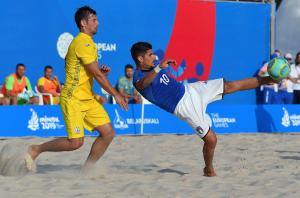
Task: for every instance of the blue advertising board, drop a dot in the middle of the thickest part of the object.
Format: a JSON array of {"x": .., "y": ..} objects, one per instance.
[{"x": 45, "y": 121}]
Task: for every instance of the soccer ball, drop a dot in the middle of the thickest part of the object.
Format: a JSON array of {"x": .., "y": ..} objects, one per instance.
[{"x": 279, "y": 68}]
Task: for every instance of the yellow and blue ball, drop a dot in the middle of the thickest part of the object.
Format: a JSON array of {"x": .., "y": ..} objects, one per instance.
[{"x": 279, "y": 68}]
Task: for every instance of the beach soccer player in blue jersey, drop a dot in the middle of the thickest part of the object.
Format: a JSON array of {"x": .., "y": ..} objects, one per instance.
[{"x": 187, "y": 102}]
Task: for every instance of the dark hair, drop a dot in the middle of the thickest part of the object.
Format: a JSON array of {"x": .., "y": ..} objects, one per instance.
[
  {"x": 139, "y": 49},
  {"x": 296, "y": 59},
  {"x": 128, "y": 66},
  {"x": 83, "y": 14},
  {"x": 19, "y": 65},
  {"x": 48, "y": 67}
]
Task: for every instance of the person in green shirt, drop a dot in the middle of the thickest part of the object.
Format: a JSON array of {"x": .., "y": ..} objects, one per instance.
[
  {"x": 125, "y": 86},
  {"x": 17, "y": 88}
]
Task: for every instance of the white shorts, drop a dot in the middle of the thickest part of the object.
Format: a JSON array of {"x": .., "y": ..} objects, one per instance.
[{"x": 192, "y": 106}]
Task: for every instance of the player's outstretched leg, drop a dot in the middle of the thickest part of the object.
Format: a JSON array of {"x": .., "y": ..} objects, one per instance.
[
  {"x": 106, "y": 135},
  {"x": 56, "y": 145},
  {"x": 210, "y": 142},
  {"x": 247, "y": 83}
]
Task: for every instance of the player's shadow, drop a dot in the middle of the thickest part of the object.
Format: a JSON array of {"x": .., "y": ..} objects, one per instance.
[
  {"x": 148, "y": 168},
  {"x": 290, "y": 157},
  {"x": 45, "y": 168},
  {"x": 282, "y": 151},
  {"x": 264, "y": 120},
  {"x": 169, "y": 170}
]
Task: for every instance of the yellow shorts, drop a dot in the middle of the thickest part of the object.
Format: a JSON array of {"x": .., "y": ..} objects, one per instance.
[{"x": 78, "y": 115}]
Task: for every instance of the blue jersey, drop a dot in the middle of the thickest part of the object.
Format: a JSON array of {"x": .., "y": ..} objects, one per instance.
[{"x": 164, "y": 91}]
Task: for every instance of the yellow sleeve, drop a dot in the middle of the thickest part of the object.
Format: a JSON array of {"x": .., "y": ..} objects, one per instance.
[
  {"x": 86, "y": 52},
  {"x": 41, "y": 82}
]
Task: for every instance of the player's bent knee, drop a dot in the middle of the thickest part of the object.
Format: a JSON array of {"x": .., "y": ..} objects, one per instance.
[
  {"x": 75, "y": 143},
  {"x": 109, "y": 135},
  {"x": 210, "y": 139}
]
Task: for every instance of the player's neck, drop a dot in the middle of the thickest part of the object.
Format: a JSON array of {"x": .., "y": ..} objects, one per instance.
[
  {"x": 142, "y": 67},
  {"x": 87, "y": 33}
]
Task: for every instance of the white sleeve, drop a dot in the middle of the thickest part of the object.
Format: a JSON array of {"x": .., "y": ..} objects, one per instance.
[{"x": 293, "y": 73}]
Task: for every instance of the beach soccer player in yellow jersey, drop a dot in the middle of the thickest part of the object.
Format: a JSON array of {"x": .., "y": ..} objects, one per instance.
[{"x": 79, "y": 106}]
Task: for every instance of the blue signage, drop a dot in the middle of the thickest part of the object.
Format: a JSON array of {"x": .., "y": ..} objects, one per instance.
[{"x": 45, "y": 121}]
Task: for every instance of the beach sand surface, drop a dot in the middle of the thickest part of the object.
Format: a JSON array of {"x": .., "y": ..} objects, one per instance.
[{"x": 247, "y": 165}]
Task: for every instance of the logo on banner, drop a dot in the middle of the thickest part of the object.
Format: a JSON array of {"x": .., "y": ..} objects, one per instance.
[
  {"x": 222, "y": 122},
  {"x": 33, "y": 123},
  {"x": 45, "y": 122},
  {"x": 285, "y": 120},
  {"x": 64, "y": 40},
  {"x": 105, "y": 47},
  {"x": 288, "y": 119},
  {"x": 119, "y": 122}
]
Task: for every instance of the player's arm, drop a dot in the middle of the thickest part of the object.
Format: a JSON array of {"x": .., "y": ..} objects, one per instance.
[
  {"x": 150, "y": 76},
  {"x": 104, "y": 69},
  {"x": 93, "y": 68}
]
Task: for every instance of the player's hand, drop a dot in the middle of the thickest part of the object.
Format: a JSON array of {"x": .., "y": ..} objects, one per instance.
[
  {"x": 105, "y": 69},
  {"x": 165, "y": 63},
  {"x": 121, "y": 101},
  {"x": 102, "y": 100}
]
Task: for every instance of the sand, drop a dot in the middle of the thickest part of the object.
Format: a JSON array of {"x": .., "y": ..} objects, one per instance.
[{"x": 247, "y": 165}]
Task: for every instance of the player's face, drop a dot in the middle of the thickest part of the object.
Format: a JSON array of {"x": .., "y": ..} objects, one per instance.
[
  {"x": 48, "y": 73},
  {"x": 149, "y": 59},
  {"x": 129, "y": 72},
  {"x": 92, "y": 24},
  {"x": 20, "y": 71}
]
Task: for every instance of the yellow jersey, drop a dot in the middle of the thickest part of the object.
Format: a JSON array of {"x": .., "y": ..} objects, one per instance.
[{"x": 79, "y": 82}]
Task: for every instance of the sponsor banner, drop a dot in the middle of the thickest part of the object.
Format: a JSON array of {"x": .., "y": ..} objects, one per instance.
[
  {"x": 45, "y": 121},
  {"x": 232, "y": 118},
  {"x": 278, "y": 118}
]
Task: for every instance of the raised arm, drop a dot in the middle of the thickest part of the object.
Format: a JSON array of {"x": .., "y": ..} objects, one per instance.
[{"x": 150, "y": 76}]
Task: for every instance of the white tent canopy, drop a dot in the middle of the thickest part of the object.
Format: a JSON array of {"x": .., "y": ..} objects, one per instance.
[{"x": 287, "y": 27}]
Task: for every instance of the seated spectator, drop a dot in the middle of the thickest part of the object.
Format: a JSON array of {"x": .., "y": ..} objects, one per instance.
[
  {"x": 17, "y": 88},
  {"x": 125, "y": 87},
  {"x": 50, "y": 85}
]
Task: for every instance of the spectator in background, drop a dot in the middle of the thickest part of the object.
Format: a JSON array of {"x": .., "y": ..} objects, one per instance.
[
  {"x": 17, "y": 88},
  {"x": 295, "y": 78},
  {"x": 270, "y": 91},
  {"x": 285, "y": 87},
  {"x": 125, "y": 86},
  {"x": 277, "y": 53},
  {"x": 47, "y": 84}
]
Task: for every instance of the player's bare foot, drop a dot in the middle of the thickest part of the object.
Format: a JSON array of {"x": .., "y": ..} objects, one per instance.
[
  {"x": 209, "y": 172},
  {"x": 29, "y": 163},
  {"x": 29, "y": 158},
  {"x": 33, "y": 151}
]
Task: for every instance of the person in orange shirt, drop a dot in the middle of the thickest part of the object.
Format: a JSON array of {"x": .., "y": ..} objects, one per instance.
[
  {"x": 47, "y": 84},
  {"x": 17, "y": 88}
]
